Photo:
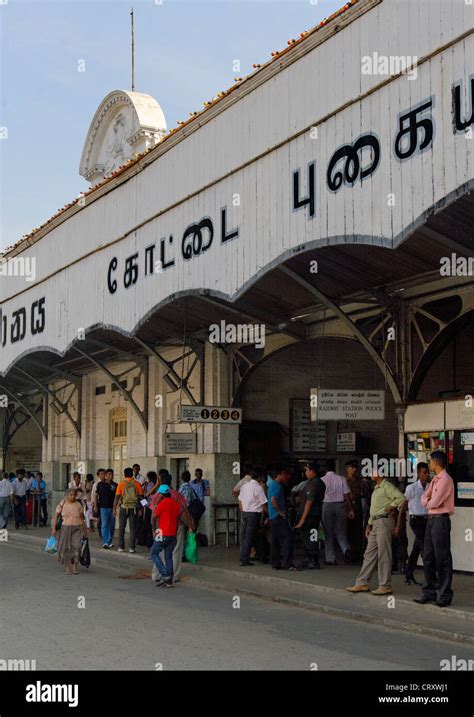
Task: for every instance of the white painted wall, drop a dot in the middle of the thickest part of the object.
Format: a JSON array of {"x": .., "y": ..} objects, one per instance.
[{"x": 302, "y": 95}]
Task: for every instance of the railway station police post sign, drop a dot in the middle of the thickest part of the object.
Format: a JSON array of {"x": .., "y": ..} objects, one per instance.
[{"x": 347, "y": 405}]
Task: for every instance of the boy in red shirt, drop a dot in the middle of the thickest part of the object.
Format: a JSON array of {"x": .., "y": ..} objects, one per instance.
[{"x": 167, "y": 512}]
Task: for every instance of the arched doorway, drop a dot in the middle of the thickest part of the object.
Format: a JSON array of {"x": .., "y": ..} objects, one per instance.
[{"x": 275, "y": 399}]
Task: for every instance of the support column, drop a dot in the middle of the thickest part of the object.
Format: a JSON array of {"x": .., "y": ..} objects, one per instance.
[{"x": 400, "y": 410}]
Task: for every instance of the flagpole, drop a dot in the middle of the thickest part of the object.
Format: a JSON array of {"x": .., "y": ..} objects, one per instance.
[{"x": 133, "y": 52}]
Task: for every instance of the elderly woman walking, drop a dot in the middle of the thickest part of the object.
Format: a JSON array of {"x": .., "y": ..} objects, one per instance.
[{"x": 72, "y": 527}]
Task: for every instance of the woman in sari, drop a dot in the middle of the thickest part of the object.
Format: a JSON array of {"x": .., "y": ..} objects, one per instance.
[{"x": 71, "y": 531}]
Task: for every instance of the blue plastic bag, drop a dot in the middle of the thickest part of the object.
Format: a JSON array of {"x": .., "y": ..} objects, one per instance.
[{"x": 51, "y": 545}]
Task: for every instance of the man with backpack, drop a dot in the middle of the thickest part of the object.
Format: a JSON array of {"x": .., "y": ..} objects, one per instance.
[{"x": 127, "y": 497}]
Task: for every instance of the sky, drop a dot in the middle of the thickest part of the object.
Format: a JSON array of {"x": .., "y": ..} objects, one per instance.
[{"x": 184, "y": 54}]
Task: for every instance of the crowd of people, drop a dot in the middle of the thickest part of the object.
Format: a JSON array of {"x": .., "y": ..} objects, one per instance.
[
  {"x": 158, "y": 516},
  {"x": 18, "y": 491},
  {"x": 365, "y": 520},
  {"x": 279, "y": 511}
]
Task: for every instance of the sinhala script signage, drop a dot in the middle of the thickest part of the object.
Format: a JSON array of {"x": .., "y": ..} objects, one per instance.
[{"x": 347, "y": 405}]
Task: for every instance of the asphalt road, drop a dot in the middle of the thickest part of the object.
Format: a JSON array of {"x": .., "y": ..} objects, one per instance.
[{"x": 129, "y": 623}]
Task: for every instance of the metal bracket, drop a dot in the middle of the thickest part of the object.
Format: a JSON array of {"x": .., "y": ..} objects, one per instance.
[
  {"x": 181, "y": 381},
  {"x": 124, "y": 392},
  {"x": 60, "y": 405},
  {"x": 366, "y": 343},
  {"x": 24, "y": 407}
]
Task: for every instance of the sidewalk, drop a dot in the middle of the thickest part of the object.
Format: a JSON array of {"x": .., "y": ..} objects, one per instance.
[{"x": 322, "y": 590}]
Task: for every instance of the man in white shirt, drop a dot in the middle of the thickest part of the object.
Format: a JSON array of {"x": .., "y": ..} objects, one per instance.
[
  {"x": 418, "y": 519},
  {"x": 242, "y": 481},
  {"x": 137, "y": 475},
  {"x": 20, "y": 486},
  {"x": 6, "y": 499},
  {"x": 252, "y": 502},
  {"x": 336, "y": 509}
]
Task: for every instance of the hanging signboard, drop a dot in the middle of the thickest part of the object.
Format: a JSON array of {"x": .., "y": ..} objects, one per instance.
[
  {"x": 347, "y": 405},
  {"x": 306, "y": 436},
  {"x": 180, "y": 443},
  {"x": 210, "y": 414},
  {"x": 465, "y": 491},
  {"x": 346, "y": 442}
]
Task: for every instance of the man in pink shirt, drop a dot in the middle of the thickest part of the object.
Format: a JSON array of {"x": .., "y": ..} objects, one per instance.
[{"x": 437, "y": 559}]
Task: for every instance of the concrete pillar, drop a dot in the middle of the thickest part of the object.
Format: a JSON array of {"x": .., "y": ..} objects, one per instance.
[{"x": 400, "y": 410}]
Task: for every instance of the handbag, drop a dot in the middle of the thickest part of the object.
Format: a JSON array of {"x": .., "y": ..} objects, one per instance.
[
  {"x": 196, "y": 509},
  {"x": 59, "y": 519},
  {"x": 85, "y": 556}
]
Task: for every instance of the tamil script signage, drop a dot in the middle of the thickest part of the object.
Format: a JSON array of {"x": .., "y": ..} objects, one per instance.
[
  {"x": 340, "y": 168},
  {"x": 210, "y": 414},
  {"x": 347, "y": 405}
]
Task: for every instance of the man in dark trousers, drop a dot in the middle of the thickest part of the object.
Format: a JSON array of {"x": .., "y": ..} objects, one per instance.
[
  {"x": 437, "y": 558},
  {"x": 252, "y": 502},
  {"x": 126, "y": 501},
  {"x": 280, "y": 554},
  {"x": 311, "y": 503},
  {"x": 418, "y": 519}
]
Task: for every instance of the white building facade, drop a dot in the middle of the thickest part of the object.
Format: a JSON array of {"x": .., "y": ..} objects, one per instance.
[{"x": 316, "y": 199}]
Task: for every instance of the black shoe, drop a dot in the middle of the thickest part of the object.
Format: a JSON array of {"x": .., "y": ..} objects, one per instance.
[
  {"x": 348, "y": 556},
  {"x": 441, "y": 603},
  {"x": 410, "y": 580},
  {"x": 309, "y": 566},
  {"x": 168, "y": 583},
  {"x": 159, "y": 583},
  {"x": 245, "y": 564},
  {"x": 329, "y": 562},
  {"x": 277, "y": 567},
  {"x": 424, "y": 600}
]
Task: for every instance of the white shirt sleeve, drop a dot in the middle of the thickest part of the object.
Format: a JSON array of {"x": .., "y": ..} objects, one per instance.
[{"x": 262, "y": 496}]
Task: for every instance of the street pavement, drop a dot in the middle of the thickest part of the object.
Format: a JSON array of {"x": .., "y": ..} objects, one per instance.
[{"x": 129, "y": 623}]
